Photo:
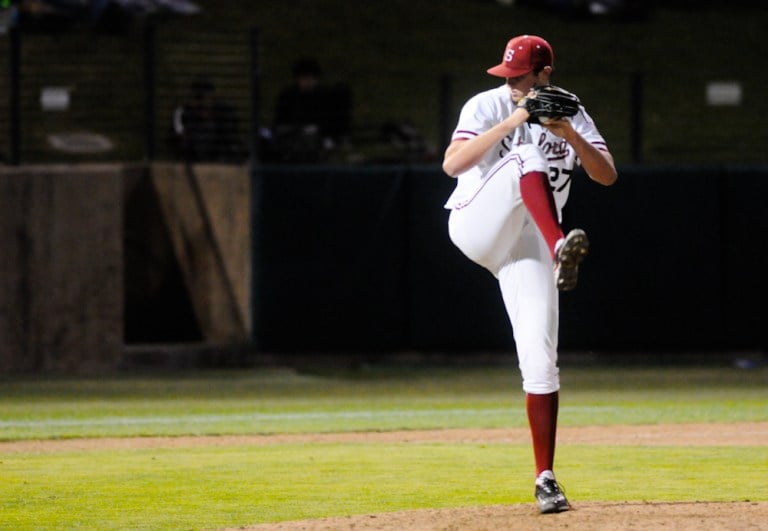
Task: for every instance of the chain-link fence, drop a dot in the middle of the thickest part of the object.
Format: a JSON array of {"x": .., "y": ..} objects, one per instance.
[{"x": 92, "y": 95}]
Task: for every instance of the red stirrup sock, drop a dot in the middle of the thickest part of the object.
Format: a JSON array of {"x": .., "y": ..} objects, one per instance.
[
  {"x": 538, "y": 199},
  {"x": 542, "y": 417}
]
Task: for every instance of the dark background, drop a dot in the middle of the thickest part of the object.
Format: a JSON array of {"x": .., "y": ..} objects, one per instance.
[
  {"x": 351, "y": 255},
  {"x": 366, "y": 265},
  {"x": 642, "y": 71}
]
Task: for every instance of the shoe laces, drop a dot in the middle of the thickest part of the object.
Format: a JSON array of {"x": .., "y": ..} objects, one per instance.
[{"x": 551, "y": 486}]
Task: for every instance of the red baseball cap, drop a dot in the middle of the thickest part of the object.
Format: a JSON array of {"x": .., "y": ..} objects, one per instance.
[{"x": 522, "y": 55}]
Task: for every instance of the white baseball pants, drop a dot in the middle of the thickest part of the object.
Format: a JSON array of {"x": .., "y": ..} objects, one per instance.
[{"x": 493, "y": 229}]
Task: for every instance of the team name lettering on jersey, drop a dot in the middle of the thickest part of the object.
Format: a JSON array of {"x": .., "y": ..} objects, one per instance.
[
  {"x": 558, "y": 149},
  {"x": 508, "y": 142},
  {"x": 506, "y": 146}
]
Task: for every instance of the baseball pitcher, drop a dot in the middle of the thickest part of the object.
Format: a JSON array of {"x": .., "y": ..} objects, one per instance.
[{"x": 513, "y": 153}]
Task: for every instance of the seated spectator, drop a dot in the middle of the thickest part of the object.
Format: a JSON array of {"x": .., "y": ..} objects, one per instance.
[{"x": 206, "y": 128}]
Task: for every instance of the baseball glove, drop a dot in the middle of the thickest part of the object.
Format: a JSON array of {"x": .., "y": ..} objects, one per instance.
[{"x": 549, "y": 101}]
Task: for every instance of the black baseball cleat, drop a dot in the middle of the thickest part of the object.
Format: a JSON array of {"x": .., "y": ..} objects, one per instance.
[
  {"x": 569, "y": 252},
  {"x": 550, "y": 497}
]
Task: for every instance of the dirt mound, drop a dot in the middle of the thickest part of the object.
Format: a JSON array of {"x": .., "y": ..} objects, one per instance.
[{"x": 584, "y": 516}]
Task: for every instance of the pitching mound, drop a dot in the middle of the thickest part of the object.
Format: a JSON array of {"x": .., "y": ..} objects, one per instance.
[{"x": 583, "y": 516}]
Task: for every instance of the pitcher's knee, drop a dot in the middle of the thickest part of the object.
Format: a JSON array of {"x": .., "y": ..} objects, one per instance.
[
  {"x": 480, "y": 250},
  {"x": 541, "y": 380}
]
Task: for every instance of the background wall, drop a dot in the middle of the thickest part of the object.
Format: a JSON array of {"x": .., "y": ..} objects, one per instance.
[
  {"x": 61, "y": 275},
  {"x": 362, "y": 262},
  {"x": 644, "y": 78},
  {"x": 352, "y": 255}
]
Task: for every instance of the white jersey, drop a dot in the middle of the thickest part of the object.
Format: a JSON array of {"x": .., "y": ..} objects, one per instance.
[{"x": 485, "y": 110}]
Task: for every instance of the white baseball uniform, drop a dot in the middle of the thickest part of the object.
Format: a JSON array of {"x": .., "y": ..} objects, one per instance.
[{"x": 490, "y": 224}]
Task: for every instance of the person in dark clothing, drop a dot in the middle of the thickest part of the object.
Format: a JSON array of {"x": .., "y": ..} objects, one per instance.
[
  {"x": 207, "y": 128},
  {"x": 311, "y": 118}
]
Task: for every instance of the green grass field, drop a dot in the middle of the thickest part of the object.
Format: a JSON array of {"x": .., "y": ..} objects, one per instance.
[{"x": 203, "y": 487}]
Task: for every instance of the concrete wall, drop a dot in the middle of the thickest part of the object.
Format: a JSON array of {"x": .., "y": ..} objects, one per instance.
[
  {"x": 328, "y": 260},
  {"x": 61, "y": 296},
  {"x": 206, "y": 211},
  {"x": 67, "y": 283}
]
